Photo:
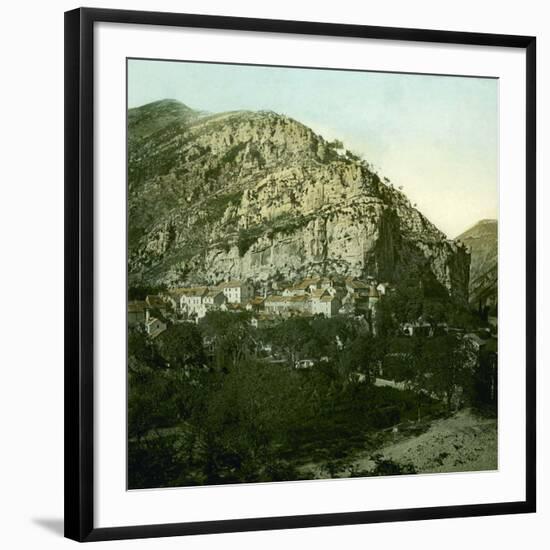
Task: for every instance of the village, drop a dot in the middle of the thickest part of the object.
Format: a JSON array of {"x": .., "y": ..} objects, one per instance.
[
  {"x": 268, "y": 305},
  {"x": 316, "y": 346},
  {"x": 273, "y": 303}
]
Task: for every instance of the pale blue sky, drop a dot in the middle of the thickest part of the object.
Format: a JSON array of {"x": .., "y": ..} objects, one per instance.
[{"x": 437, "y": 136}]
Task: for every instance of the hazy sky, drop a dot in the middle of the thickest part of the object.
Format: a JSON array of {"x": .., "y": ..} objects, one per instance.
[{"x": 436, "y": 136}]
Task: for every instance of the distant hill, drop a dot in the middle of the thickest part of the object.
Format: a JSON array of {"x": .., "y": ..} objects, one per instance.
[
  {"x": 258, "y": 195},
  {"x": 146, "y": 120},
  {"x": 482, "y": 241}
]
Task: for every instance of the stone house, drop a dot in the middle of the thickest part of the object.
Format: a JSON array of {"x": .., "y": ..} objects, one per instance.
[
  {"x": 326, "y": 305},
  {"x": 306, "y": 286},
  {"x": 191, "y": 302},
  {"x": 300, "y": 289},
  {"x": 309, "y": 286},
  {"x": 298, "y": 304},
  {"x": 356, "y": 286},
  {"x": 292, "y": 291},
  {"x": 237, "y": 292},
  {"x": 214, "y": 299},
  {"x": 154, "y": 327},
  {"x": 275, "y": 304}
]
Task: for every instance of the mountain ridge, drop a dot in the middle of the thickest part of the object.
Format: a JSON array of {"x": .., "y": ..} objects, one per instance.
[{"x": 256, "y": 194}]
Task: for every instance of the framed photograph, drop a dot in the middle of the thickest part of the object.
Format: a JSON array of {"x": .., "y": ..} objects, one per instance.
[{"x": 300, "y": 274}]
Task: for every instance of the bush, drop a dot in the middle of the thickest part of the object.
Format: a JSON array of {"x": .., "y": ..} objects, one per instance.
[
  {"x": 231, "y": 154},
  {"x": 387, "y": 467},
  {"x": 247, "y": 237}
]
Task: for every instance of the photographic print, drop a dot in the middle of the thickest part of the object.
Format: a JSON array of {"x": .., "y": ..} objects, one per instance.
[{"x": 312, "y": 273}]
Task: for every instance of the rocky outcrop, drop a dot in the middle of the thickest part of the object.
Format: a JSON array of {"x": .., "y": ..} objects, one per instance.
[
  {"x": 259, "y": 195},
  {"x": 482, "y": 242}
]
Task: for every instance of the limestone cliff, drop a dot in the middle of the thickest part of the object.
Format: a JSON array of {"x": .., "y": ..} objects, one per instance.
[
  {"x": 259, "y": 195},
  {"x": 482, "y": 242}
]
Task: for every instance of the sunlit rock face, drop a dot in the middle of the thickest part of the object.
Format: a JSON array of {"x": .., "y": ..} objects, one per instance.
[{"x": 257, "y": 195}]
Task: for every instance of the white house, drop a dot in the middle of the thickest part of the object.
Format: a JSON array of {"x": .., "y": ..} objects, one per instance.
[
  {"x": 309, "y": 286},
  {"x": 154, "y": 327},
  {"x": 191, "y": 302},
  {"x": 275, "y": 304},
  {"x": 237, "y": 292},
  {"x": 299, "y": 304},
  {"x": 324, "y": 302}
]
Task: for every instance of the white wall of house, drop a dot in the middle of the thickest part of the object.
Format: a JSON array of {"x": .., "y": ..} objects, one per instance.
[
  {"x": 239, "y": 293},
  {"x": 155, "y": 326}
]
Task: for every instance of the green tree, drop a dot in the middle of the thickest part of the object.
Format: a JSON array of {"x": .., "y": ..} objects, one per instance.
[
  {"x": 246, "y": 419},
  {"x": 230, "y": 335},
  {"x": 406, "y": 301},
  {"x": 452, "y": 362},
  {"x": 329, "y": 337},
  {"x": 150, "y": 401},
  {"x": 291, "y": 336},
  {"x": 142, "y": 350},
  {"x": 365, "y": 356},
  {"x": 181, "y": 346}
]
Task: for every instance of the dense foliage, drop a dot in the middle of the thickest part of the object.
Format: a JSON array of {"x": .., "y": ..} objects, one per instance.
[{"x": 223, "y": 402}]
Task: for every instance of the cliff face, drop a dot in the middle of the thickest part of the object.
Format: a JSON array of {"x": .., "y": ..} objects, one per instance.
[
  {"x": 259, "y": 195},
  {"x": 482, "y": 241}
]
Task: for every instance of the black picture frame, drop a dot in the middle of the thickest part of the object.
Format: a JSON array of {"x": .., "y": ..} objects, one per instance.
[{"x": 79, "y": 273}]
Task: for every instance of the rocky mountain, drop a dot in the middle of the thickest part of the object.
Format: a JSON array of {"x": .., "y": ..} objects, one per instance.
[
  {"x": 482, "y": 241},
  {"x": 259, "y": 195}
]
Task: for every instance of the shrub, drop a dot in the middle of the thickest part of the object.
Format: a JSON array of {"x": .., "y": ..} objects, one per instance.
[
  {"x": 231, "y": 154},
  {"x": 387, "y": 467},
  {"x": 247, "y": 237}
]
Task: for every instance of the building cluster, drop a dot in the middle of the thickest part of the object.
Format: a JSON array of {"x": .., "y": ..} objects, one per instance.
[
  {"x": 195, "y": 302},
  {"x": 363, "y": 295},
  {"x": 307, "y": 297},
  {"x": 310, "y": 296}
]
